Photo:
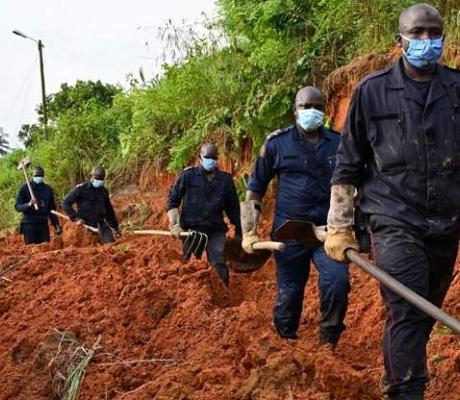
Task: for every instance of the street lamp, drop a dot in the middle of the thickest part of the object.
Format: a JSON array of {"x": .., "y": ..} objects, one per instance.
[{"x": 42, "y": 73}]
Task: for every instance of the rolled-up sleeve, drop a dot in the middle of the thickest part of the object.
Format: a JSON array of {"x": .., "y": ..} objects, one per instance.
[{"x": 354, "y": 150}]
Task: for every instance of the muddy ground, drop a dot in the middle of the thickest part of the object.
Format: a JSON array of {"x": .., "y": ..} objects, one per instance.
[{"x": 196, "y": 339}]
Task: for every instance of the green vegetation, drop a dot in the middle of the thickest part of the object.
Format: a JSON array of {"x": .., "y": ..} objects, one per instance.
[{"x": 233, "y": 85}]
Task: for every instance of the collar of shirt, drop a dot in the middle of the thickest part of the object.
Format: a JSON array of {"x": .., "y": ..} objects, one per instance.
[{"x": 442, "y": 79}]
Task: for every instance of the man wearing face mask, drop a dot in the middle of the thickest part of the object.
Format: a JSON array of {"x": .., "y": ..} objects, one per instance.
[
  {"x": 401, "y": 149},
  {"x": 302, "y": 157},
  {"x": 34, "y": 223},
  {"x": 204, "y": 194},
  {"x": 94, "y": 207}
]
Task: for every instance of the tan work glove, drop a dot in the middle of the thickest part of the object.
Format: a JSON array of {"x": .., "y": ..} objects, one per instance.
[
  {"x": 340, "y": 236},
  {"x": 174, "y": 222},
  {"x": 250, "y": 213}
]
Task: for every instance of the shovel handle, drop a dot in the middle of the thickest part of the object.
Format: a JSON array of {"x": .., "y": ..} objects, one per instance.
[
  {"x": 395, "y": 286},
  {"x": 90, "y": 228},
  {"x": 279, "y": 246},
  {"x": 159, "y": 233}
]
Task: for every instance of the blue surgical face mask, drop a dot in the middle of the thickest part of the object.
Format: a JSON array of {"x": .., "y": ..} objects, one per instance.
[
  {"x": 423, "y": 53},
  {"x": 38, "y": 179},
  {"x": 310, "y": 119},
  {"x": 97, "y": 183},
  {"x": 209, "y": 164}
]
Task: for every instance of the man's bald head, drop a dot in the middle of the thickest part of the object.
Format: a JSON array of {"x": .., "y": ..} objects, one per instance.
[
  {"x": 420, "y": 17},
  {"x": 98, "y": 173},
  {"x": 209, "y": 150},
  {"x": 308, "y": 97},
  {"x": 38, "y": 171}
]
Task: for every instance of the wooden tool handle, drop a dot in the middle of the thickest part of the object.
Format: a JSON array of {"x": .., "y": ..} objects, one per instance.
[
  {"x": 158, "y": 232},
  {"x": 269, "y": 246},
  {"x": 91, "y": 228}
]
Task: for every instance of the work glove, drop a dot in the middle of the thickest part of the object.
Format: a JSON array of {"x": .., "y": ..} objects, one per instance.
[
  {"x": 174, "y": 222},
  {"x": 250, "y": 214},
  {"x": 338, "y": 241},
  {"x": 58, "y": 229},
  {"x": 340, "y": 236}
]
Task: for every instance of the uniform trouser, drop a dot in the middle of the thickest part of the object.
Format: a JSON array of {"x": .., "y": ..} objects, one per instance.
[
  {"x": 292, "y": 272},
  {"x": 425, "y": 264},
  {"x": 34, "y": 233}
]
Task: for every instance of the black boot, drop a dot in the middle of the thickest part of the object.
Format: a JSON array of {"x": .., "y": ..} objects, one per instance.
[{"x": 222, "y": 271}]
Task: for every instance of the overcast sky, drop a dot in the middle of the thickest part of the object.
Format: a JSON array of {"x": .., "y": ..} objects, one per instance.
[{"x": 86, "y": 40}]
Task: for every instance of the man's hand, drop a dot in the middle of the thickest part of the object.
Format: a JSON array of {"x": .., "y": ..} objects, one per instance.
[
  {"x": 31, "y": 203},
  {"x": 249, "y": 238},
  {"x": 80, "y": 221},
  {"x": 58, "y": 229},
  {"x": 176, "y": 230},
  {"x": 338, "y": 241}
]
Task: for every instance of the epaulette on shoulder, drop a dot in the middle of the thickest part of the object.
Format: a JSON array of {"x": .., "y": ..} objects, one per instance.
[
  {"x": 276, "y": 133},
  {"x": 376, "y": 74},
  {"x": 452, "y": 69}
]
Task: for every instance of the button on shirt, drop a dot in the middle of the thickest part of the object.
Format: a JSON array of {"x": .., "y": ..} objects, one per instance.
[{"x": 304, "y": 172}]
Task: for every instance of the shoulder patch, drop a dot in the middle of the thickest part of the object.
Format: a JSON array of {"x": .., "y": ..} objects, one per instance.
[{"x": 276, "y": 133}]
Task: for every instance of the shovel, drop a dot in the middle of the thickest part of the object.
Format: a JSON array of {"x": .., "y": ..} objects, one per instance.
[
  {"x": 23, "y": 164},
  {"x": 308, "y": 234},
  {"x": 90, "y": 228}
]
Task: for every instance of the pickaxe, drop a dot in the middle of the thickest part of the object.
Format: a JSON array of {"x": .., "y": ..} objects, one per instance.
[
  {"x": 23, "y": 164},
  {"x": 309, "y": 235}
]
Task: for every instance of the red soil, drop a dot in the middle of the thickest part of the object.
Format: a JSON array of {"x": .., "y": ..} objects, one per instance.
[{"x": 147, "y": 304}]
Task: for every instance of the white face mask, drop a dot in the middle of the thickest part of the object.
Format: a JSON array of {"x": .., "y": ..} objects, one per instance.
[
  {"x": 97, "y": 183},
  {"x": 310, "y": 119},
  {"x": 38, "y": 179}
]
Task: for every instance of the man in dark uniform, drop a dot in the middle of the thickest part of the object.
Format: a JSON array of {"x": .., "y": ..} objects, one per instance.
[
  {"x": 302, "y": 157},
  {"x": 401, "y": 149},
  {"x": 205, "y": 193},
  {"x": 93, "y": 206},
  {"x": 34, "y": 223}
]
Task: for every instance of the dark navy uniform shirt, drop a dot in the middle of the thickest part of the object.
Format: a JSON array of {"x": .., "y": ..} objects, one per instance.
[
  {"x": 45, "y": 198},
  {"x": 93, "y": 205},
  {"x": 304, "y": 174},
  {"x": 401, "y": 147},
  {"x": 204, "y": 201}
]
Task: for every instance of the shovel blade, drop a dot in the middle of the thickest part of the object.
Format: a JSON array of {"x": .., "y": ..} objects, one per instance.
[
  {"x": 301, "y": 231},
  {"x": 242, "y": 262}
]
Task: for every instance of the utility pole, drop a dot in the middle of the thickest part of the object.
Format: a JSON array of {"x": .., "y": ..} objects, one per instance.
[
  {"x": 42, "y": 74},
  {"x": 42, "y": 78}
]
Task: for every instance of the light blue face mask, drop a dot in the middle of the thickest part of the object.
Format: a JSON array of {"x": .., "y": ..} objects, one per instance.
[
  {"x": 97, "y": 183},
  {"x": 310, "y": 119},
  {"x": 209, "y": 164},
  {"x": 423, "y": 53},
  {"x": 38, "y": 179}
]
